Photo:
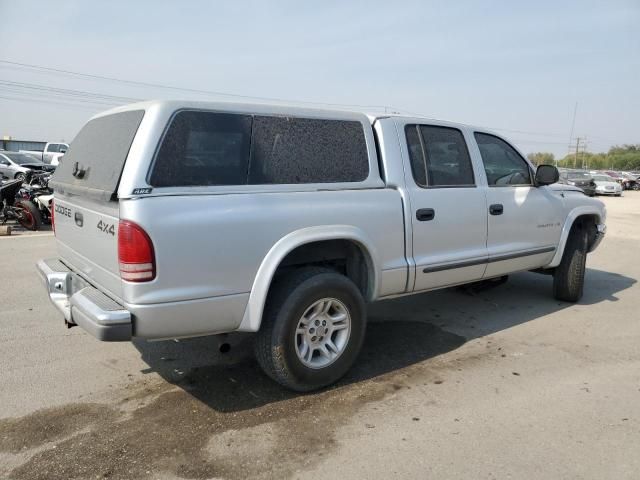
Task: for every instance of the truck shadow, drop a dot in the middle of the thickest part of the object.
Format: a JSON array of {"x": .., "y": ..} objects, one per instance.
[{"x": 401, "y": 332}]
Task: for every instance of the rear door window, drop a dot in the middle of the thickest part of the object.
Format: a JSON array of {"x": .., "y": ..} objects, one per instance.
[
  {"x": 203, "y": 148},
  {"x": 97, "y": 155},
  {"x": 439, "y": 156},
  {"x": 302, "y": 150}
]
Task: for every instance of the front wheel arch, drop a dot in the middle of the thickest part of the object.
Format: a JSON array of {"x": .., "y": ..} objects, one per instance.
[{"x": 578, "y": 217}]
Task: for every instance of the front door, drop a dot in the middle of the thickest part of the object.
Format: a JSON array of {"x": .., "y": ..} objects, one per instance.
[
  {"x": 449, "y": 213},
  {"x": 524, "y": 221}
]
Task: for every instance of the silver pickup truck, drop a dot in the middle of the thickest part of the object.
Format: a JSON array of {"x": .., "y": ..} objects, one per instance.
[{"x": 179, "y": 219}]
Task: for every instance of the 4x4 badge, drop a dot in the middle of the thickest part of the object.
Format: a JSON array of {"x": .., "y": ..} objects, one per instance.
[{"x": 141, "y": 191}]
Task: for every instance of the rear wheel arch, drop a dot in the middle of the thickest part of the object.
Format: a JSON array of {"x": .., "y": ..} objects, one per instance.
[{"x": 307, "y": 244}]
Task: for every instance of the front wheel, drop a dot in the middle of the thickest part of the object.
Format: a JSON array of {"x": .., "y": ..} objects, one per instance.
[
  {"x": 20, "y": 176},
  {"x": 28, "y": 215},
  {"x": 568, "y": 277},
  {"x": 312, "y": 329}
]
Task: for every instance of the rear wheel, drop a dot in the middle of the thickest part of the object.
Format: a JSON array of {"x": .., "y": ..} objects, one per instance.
[
  {"x": 568, "y": 277},
  {"x": 312, "y": 329},
  {"x": 28, "y": 215}
]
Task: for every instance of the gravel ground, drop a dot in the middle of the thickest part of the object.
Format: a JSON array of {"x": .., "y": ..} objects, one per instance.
[{"x": 502, "y": 383}]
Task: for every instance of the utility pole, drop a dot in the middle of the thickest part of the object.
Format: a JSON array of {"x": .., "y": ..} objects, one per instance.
[
  {"x": 579, "y": 148},
  {"x": 575, "y": 149}
]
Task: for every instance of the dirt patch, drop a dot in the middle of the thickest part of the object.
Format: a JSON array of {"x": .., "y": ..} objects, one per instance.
[
  {"x": 229, "y": 422},
  {"x": 49, "y": 425}
]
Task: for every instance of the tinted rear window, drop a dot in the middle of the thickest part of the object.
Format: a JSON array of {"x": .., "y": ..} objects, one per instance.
[
  {"x": 100, "y": 149},
  {"x": 207, "y": 148},
  {"x": 202, "y": 148},
  {"x": 304, "y": 150}
]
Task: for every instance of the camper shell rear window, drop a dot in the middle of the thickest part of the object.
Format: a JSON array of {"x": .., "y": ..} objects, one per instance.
[{"x": 97, "y": 155}]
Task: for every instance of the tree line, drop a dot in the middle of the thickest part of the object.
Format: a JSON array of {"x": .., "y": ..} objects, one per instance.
[{"x": 625, "y": 157}]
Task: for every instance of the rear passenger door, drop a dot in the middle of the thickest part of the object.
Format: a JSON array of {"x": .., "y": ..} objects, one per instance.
[{"x": 448, "y": 210}]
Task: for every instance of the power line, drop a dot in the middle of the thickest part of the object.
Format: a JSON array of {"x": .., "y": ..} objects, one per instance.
[
  {"x": 538, "y": 142},
  {"x": 48, "y": 96},
  {"x": 539, "y": 134},
  {"x": 68, "y": 92},
  {"x": 182, "y": 89},
  {"x": 91, "y": 96},
  {"x": 49, "y": 102},
  {"x": 573, "y": 122}
]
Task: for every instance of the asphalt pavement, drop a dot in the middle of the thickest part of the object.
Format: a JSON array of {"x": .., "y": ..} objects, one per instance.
[{"x": 459, "y": 383}]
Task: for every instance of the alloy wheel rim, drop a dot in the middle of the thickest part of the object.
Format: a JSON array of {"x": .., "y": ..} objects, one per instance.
[{"x": 322, "y": 333}]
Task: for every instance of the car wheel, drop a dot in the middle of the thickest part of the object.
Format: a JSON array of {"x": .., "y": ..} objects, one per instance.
[
  {"x": 312, "y": 329},
  {"x": 568, "y": 277},
  {"x": 20, "y": 176}
]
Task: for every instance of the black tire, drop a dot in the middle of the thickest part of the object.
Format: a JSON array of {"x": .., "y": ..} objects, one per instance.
[
  {"x": 289, "y": 299},
  {"x": 568, "y": 277},
  {"x": 20, "y": 176},
  {"x": 30, "y": 216}
]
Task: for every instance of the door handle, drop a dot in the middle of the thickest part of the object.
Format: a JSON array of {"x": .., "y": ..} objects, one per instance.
[
  {"x": 425, "y": 214},
  {"x": 496, "y": 209}
]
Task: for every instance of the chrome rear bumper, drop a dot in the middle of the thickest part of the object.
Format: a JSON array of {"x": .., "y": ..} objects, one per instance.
[{"x": 82, "y": 304}]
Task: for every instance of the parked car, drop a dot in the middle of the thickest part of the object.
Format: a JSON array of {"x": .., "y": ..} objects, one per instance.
[
  {"x": 51, "y": 153},
  {"x": 620, "y": 178},
  {"x": 179, "y": 219},
  {"x": 630, "y": 182},
  {"x": 16, "y": 165},
  {"x": 607, "y": 185},
  {"x": 580, "y": 179}
]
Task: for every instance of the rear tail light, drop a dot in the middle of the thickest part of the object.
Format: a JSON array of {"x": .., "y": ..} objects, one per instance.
[
  {"x": 135, "y": 253},
  {"x": 53, "y": 220}
]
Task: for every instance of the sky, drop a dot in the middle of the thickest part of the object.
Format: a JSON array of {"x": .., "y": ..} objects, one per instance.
[{"x": 517, "y": 67}]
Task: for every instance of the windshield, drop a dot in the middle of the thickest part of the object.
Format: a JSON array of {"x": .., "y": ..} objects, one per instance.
[
  {"x": 603, "y": 178},
  {"x": 21, "y": 158}
]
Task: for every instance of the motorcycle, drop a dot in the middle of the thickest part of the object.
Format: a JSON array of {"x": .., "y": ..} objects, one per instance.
[
  {"x": 21, "y": 210},
  {"x": 37, "y": 191}
]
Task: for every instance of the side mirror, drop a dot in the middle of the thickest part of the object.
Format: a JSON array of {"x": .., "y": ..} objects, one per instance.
[{"x": 546, "y": 175}]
